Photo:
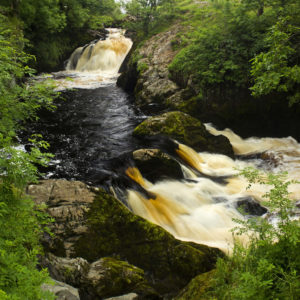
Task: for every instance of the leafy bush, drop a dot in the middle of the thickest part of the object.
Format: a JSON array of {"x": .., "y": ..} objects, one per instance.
[
  {"x": 55, "y": 28},
  {"x": 21, "y": 222},
  {"x": 236, "y": 43},
  {"x": 268, "y": 267}
]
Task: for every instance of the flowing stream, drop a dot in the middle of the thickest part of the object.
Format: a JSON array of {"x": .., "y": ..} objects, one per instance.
[{"x": 94, "y": 127}]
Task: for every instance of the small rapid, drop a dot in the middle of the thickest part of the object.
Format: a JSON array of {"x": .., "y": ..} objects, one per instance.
[{"x": 202, "y": 210}]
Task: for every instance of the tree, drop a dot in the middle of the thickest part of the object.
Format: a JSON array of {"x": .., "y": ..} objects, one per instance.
[
  {"x": 147, "y": 13},
  {"x": 277, "y": 68}
]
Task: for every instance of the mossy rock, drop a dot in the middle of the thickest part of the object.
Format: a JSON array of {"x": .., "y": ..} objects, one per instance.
[
  {"x": 185, "y": 129},
  {"x": 109, "y": 277},
  {"x": 197, "y": 288},
  {"x": 113, "y": 230}
]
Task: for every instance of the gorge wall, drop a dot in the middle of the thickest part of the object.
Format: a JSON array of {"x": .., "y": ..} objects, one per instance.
[{"x": 156, "y": 89}]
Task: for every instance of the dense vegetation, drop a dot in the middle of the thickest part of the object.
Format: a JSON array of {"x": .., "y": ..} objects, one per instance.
[
  {"x": 244, "y": 44},
  {"x": 229, "y": 43},
  {"x": 20, "y": 221},
  {"x": 55, "y": 28},
  {"x": 268, "y": 267}
]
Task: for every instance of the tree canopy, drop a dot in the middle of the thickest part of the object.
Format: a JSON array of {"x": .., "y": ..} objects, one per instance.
[{"x": 56, "y": 27}]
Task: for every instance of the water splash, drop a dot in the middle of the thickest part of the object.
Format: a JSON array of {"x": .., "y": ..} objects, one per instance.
[
  {"x": 201, "y": 210},
  {"x": 96, "y": 64}
]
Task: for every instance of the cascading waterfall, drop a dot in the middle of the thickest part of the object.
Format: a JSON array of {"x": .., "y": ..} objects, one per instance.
[
  {"x": 202, "y": 210},
  {"x": 96, "y": 64},
  {"x": 105, "y": 56}
]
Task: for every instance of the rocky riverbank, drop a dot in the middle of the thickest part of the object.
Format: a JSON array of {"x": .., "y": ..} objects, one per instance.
[{"x": 102, "y": 249}]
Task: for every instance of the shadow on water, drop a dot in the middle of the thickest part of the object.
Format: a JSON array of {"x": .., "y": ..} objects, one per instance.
[{"x": 87, "y": 131}]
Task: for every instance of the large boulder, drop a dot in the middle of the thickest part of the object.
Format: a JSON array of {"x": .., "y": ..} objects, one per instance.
[
  {"x": 156, "y": 165},
  {"x": 168, "y": 262},
  {"x": 147, "y": 73},
  {"x": 105, "y": 277},
  {"x": 185, "y": 129},
  {"x": 67, "y": 203},
  {"x": 97, "y": 225},
  {"x": 62, "y": 291}
]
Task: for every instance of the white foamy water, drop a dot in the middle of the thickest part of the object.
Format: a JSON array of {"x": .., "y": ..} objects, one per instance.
[
  {"x": 95, "y": 65},
  {"x": 202, "y": 210}
]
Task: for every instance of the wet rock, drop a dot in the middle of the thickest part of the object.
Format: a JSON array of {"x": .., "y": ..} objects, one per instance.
[
  {"x": 197, "y": 288},
  {"x": 148, "y": 67},
  {"x": 168, "y": 263},
  {"x": 156, "y": 165},
  {"x": 185, "y": 129},
  {"x": 131, "y": 296},
  {"x": 67, "y": 202},
  {"x": 62, "y": 291},
  {"x": 249, "y": 206}
]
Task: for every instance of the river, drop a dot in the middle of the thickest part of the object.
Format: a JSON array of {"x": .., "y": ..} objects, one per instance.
[{"x": 91, "y": 135}]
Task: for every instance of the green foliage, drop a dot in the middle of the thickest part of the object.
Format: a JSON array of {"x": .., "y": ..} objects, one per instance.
[
  {"x": 56, "y": 27},
  {"x": 150, "y": 16},
  {"x": 21, "y": 222},
  {"x": 269, "y": 266},
  {"x": 233, "y": 43},
  {"x": 226, "y": 36},
  {"x": 274, "y": 70}
]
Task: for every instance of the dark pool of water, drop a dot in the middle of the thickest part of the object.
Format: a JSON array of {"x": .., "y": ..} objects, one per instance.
[{"x": 89, "y": 130}]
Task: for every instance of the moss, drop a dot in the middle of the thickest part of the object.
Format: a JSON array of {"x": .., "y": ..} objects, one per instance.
[
  {"x": 197, "y": 288},
  {"x": 142, "y": 67},
  {"x": 177, "y": 125},
  {"x": 114, "y": 230},
  {"x": 119, "y": 277},
  {"x": 185, "y": 129}
]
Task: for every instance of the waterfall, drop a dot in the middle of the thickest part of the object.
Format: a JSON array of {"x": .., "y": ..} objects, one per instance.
[
  {"x": 96, "y": 64},
  {"x": 201, "y": 210},
  {"x": 104, "y": 56}
]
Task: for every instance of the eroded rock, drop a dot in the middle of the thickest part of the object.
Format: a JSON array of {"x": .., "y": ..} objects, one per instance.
[
  {"x": 169, "y": 263},
  {"x": 112, "y": 231},
  {"x": 67, "y": 202},
  {"x": 156, "y": 165},
  {"x": 103, "y": 278}
]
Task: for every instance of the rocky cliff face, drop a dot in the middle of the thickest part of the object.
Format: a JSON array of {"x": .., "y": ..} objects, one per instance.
[
  {"x": 147, "y": 69},
  {"x": 146, "y": 74}
]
